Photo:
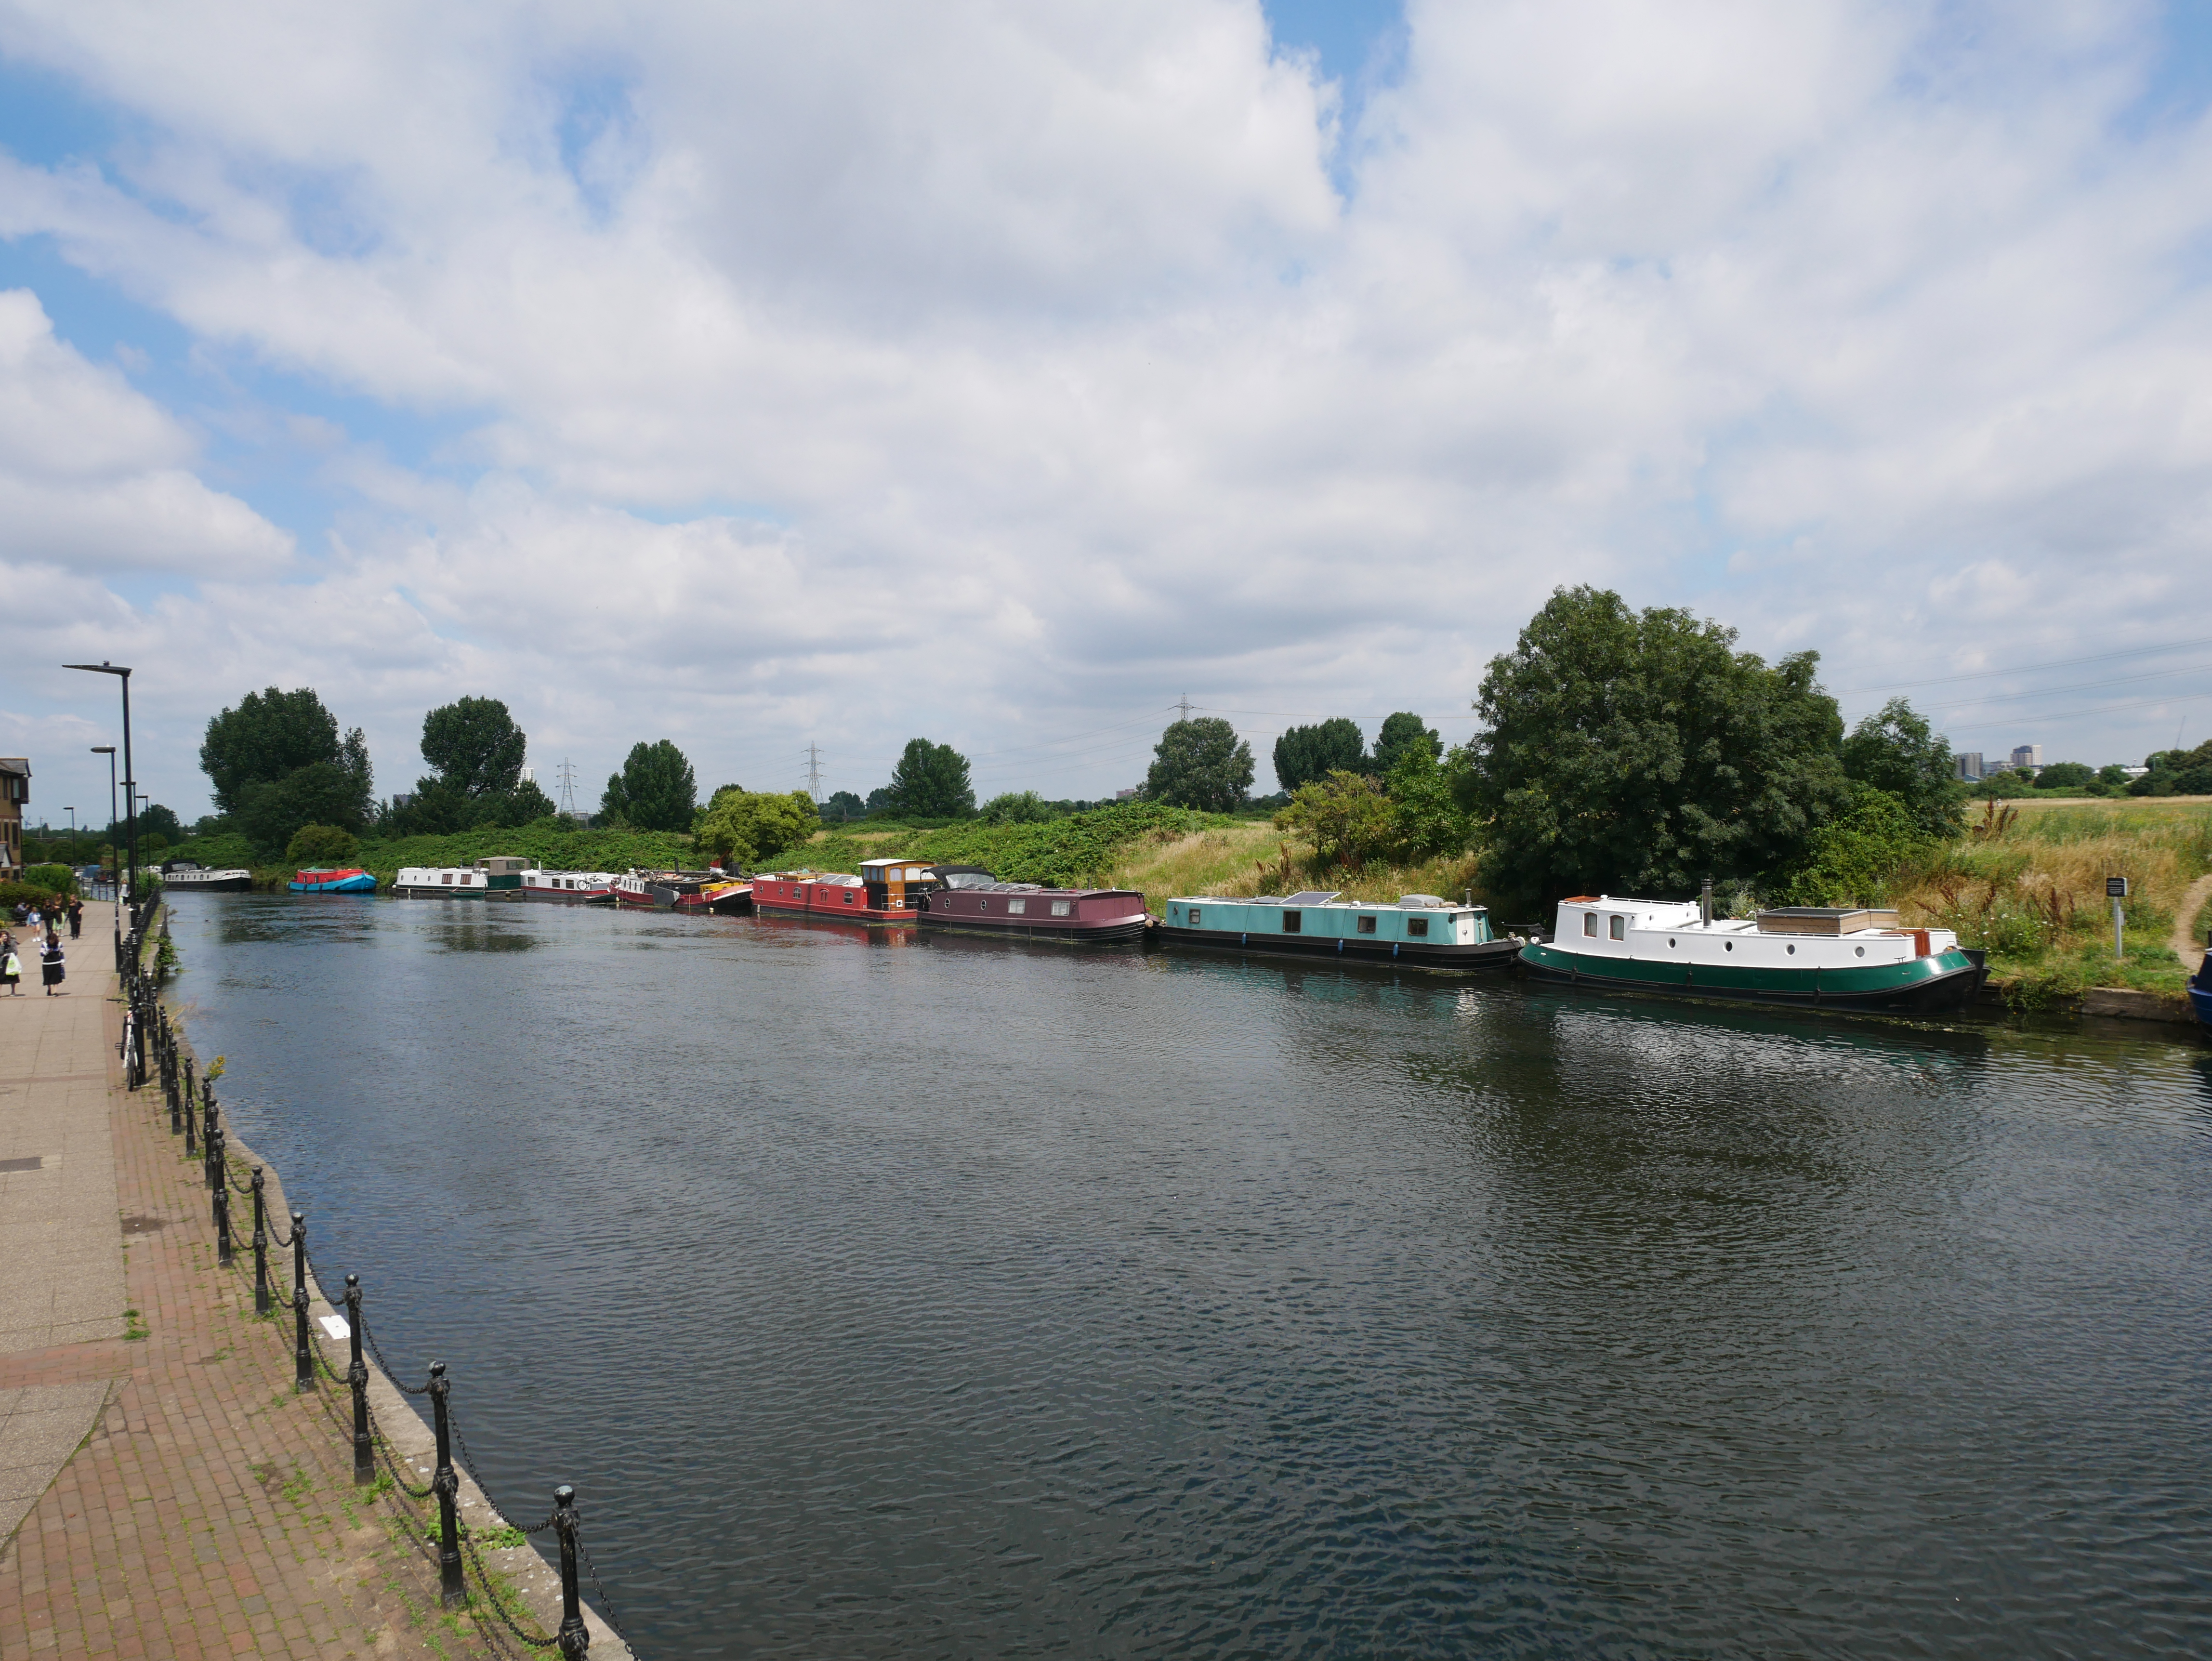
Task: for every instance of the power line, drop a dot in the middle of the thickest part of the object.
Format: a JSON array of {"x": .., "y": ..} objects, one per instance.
[
  {"x": 2084, "y": 686},
  {"x": 2071, "y": 714}
]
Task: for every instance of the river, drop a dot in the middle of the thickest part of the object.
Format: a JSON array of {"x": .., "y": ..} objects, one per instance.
[{"x": 955, "y": 1298}]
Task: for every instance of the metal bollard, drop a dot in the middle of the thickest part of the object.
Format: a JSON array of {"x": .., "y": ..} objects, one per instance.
[
  {"x": 211, "y": 1141},
  {"x": 574, "y": 1639},
  {"x": 191, "y": 1128},
  {"x": 452, "y": 1591},
  {"x": 364, "y": 1450},
  {"x": 303, "y": 1357},
  {"x": 260, "y": 1246},
  {"x": 207, "y": 1128},
  {"x": 140, "y": 1030},
  {"x": 222, "y": 1224},
  {"x": 177, "y": 1102}
]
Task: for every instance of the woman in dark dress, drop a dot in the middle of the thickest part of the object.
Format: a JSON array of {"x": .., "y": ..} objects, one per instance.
[{"x": 50, "y": 962}]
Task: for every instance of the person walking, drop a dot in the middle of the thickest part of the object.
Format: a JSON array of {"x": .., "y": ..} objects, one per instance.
[
  {"x": 11, "y": 967},
  {"x": 33, "y": 922},
  {"x": 77, "y": 916},
  {"x": 50, "y": 967}
]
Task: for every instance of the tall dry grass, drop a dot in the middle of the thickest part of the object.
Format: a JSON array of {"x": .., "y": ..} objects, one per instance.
[{"x": 2029, "y": 888}]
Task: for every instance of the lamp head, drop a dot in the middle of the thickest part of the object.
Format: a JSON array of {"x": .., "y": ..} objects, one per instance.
[{"x": 103, "y": 749}]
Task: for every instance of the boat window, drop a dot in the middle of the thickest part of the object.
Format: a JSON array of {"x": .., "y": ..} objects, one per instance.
[
  {"x": 1589, "y": 924},
  {"x": 1063, "y": 908},
  {"x": 1193, "y": 916},
  {"x": 1418, "y": 928},
  {"x": 1018, "y": 907},
  {"x": 1860, "y": 951},
  {"x": 849, "y": 897},
  {"x": 1367, "y": 925},
  {"x": 1793, "y": 951},
  {"x": 1291, "y": 922},
  {"x": 1727, "y": 945},
  {"x": 1620, "y": 928},
  {"x": 448, "y": 879},
  {"x": 982, "y": 905}
]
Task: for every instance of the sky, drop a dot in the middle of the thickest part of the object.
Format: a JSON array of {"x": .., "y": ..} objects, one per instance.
[{"x": 762, "y": 377}]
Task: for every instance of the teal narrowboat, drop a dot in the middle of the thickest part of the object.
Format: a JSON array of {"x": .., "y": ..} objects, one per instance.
[{"x": 1420, "y": 929}]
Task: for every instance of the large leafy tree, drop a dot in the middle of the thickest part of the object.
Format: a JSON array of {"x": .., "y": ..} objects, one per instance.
[
  {"x": 270, "y": 736},
  {"x": 1892, "y": 750},
  {"x": 478, "y": 751},
  {"x": 843, "y": 805},
  {"x": 1200, "y": 763},
  {"x": 278, "y": 763},
  {"x": 1305, "y": 754},
  {"x": 931, "y": 782},
  {"x": 1403, "y": 734},
  {"x": 655, "y": 789},
  {"x": 1636, "y": 753},
  {"x": 742, "y": 827}
]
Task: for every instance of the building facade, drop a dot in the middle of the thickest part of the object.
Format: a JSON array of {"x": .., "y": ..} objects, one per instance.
[
  {"x": 2027, "y": 755},
  {"x": 1968, "y": 763},
  {"x": 15, "y": 792}
]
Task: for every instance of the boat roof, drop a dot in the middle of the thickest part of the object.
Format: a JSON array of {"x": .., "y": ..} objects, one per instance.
[{"x": 1313, "y": 897}]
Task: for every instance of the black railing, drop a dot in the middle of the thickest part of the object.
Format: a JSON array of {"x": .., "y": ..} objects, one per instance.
[{"x": 153, "y": 1051}]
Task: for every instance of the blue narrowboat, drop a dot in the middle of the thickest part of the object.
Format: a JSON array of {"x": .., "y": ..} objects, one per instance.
[
  {"x": 2200, "y": 987},
  {"x": 1420, "y": 929}
]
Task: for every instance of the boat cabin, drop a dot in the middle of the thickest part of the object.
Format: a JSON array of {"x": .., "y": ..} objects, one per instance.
[
  {"x": 896, "y": 884},
  {"x": 1423, "y": 919},
  {"x": 1788, "y": 937}
]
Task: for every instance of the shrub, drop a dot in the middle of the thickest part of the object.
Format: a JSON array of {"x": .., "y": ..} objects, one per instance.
[
  {"x": 59, "y": 879},
  {"x": 13, "y": 894}
]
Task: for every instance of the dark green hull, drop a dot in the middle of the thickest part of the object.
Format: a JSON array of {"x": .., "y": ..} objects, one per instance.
[{"x": 1946, "y": 981}]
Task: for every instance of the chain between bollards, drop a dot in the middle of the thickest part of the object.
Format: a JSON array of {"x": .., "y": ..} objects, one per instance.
[
  {"x": 453, "y": 1591},
  {"x": 304, "y": 1356}
]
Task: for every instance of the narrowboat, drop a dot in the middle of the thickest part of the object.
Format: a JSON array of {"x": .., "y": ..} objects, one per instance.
[
  {"x": 699, "y": 891},
  {"x": 496, "y": 878},
  {"x": 567, "y": 887},
  {"x": 2200, "y": 987},
  {"x": 322, "y": 879},
  {"x": 1421, "y": 930},
  {"x": 886, "y": 892},
  {"x": 969, "y": 900},
  {"x": 1847, "y": 957},
  {"x": 633, "y": 891},
  {"x": 190, "y": 877}
]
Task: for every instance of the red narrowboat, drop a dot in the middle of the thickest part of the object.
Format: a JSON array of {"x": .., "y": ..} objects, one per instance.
[
  {"x": 971, "y": 901},
  {"x": 885, "y": 892}
]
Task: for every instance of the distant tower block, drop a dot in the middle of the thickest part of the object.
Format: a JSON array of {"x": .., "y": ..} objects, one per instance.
[{"x": 2027, "y": 755}]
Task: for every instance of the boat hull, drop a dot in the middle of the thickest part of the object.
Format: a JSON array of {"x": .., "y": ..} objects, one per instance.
[
  {"x": 2200, "y": 998},
  {"x": 1418, "y": 954},
  {"x": 1943, "y": 981},
  {"x": 220, "y": 882},
  {"x": 1065, "y": 931},
  {"x": 828, "y": 901},
  {"x": 359, "y": 883}
]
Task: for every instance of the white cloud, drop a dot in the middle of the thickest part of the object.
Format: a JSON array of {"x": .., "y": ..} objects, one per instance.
[{"x": 1006, "y": 369}]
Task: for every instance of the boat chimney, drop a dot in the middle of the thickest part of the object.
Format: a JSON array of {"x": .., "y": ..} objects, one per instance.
[{"x": 1706, "y": 902}]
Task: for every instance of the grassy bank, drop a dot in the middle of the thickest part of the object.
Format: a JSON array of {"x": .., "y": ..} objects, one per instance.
[
  {"x": 2029, "y": 888},
  {"x": 548, "y": 843}
]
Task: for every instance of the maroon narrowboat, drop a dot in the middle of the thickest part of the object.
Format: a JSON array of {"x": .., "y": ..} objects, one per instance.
[
  {"x": 971, "y": 901},
  {"x": 885, "y": 892}
]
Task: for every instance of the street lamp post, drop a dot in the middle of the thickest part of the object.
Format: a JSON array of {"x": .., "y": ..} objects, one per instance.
[
  {"x": 71, "y": 812},
  {"x": 130, "y": 780},
  {"x": 108, "y": 750}
]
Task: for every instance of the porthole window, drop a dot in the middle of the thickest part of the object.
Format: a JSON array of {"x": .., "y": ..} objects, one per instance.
[
  {"x": 1670, "y": 945},
  {"x": 1860, "y": 950},
  {"x": 1793, "y": 951},
  {"x": 1727, "y": 945}
]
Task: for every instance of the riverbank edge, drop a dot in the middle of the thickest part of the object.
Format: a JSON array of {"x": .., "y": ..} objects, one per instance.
[{"x": 411, "y": 1439}]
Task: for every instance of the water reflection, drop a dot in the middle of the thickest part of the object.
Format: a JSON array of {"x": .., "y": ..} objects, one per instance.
[{"x": 988, "y": 1299}]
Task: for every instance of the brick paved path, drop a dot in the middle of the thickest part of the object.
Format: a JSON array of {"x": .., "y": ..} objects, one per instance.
[{"x": 211, "y": 1510}]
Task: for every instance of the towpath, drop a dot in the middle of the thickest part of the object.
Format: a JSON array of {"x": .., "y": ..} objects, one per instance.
[
  {"x": 163, "y": 1490},
  {"x": 2187, "y": 946}
]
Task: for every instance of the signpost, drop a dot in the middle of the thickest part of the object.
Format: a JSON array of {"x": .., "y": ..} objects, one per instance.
[{"x": 2118, "y": 888}]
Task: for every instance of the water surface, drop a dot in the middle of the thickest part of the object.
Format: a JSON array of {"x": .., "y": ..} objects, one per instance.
[{"x": 954, "y": 1298}]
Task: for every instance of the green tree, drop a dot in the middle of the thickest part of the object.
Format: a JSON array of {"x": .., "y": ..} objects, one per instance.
[
  {"x": 2065, "y": 774},
  {"x": 321, "y": 845},
  {"x": 270, "y": 736},
  {"x": 1994, "y": 786},
  {"x": 2176, "y": 773},
  {"x": 1303, "y": 754},
  {"x": 159, "y": 821},
  {"x": 1016, "y": 807},
  {"x": 1200, "y": 764},
  {"x": 739, "y": 827},
  {"x": 1402, "y": 734},
  {"x": 1424, "y": 807},
  {"x": 1636, "y": 753},
  {"x": 2112, "y": 776},
  {"x": 1893, "y": 750},
  {"x": 1346, "y": 816},
  {"x": 321, "y": 792},
  {"x": 931, "y": 782},
  {"x": 475, "y": 747},
  {"x": 843, "y": 805},
  {"x": 655, "y": 790}
]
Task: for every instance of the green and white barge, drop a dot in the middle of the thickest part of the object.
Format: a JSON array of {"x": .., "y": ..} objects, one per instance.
[
  {"x": 1422, "y": 930},
  {"x": 1849, "y": 957}
]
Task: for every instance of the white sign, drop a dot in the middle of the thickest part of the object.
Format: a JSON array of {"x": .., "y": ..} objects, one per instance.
[{"x": 336, "y": 1326}]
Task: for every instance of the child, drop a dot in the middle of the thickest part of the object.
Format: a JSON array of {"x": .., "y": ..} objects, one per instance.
[{"x": 50, "y": 962}]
